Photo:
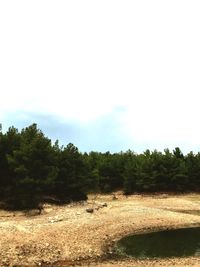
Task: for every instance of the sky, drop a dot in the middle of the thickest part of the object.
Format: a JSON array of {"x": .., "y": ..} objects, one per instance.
[{"x": 104, "y": 75}]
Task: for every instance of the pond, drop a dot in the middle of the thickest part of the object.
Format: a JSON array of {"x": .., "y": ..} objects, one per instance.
[{"x": 163, "y": 244}]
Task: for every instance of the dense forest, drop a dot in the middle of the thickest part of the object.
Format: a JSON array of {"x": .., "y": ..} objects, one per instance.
[{"x": 33, "y": 169}]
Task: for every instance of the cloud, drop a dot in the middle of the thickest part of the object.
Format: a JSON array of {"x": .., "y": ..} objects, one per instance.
[
  {"x": 73, "y": 65},
  {"x": 110, "y": 132},
  {"x": 104, "y": 134}
]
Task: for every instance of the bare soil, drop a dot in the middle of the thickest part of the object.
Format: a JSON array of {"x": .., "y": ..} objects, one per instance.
[{"x": 69, "y": 236}]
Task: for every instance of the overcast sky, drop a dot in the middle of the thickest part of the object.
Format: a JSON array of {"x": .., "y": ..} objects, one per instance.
[{"x": 104, "y": 75}]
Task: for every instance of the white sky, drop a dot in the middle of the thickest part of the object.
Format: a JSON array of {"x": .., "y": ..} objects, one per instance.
[{"x": 80, "y": 60}]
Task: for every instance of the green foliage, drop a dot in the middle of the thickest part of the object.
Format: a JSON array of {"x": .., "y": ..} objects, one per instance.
[
  {"x": 70, "y": 181},
  {"x": 32, "y": 169}
]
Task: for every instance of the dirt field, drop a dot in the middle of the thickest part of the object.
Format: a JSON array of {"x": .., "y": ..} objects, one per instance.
[{"x": 70, "y": 236}]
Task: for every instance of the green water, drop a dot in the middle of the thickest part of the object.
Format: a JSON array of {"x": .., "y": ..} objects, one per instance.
[{"x": 164, "y": 244}]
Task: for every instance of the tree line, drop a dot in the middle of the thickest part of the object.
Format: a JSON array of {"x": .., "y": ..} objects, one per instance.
[{"x": 33, "y": 169}]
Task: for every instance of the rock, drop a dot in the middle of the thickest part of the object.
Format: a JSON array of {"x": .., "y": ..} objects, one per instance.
[
  {"x": 33, "y": 212},
  {"x": 114, "y": 197},
  {"x": 55, "y": 219},
  {"x": 90, "y": 210},
  {"x": 48, "y": 210},
  {"x": 102, "y": 205}
]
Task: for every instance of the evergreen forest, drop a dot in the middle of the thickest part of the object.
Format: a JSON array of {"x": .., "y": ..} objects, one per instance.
[{"x": 33, "y": 170}]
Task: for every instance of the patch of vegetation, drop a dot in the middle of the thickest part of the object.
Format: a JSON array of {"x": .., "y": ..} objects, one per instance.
[{"x": 31, "y": 167}]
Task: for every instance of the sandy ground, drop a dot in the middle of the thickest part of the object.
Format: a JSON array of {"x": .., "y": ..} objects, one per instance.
[{"x": 70, "y": 236}]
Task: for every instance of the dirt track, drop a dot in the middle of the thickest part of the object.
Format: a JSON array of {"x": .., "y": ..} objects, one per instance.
[{"x": 69, "y": 236}]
